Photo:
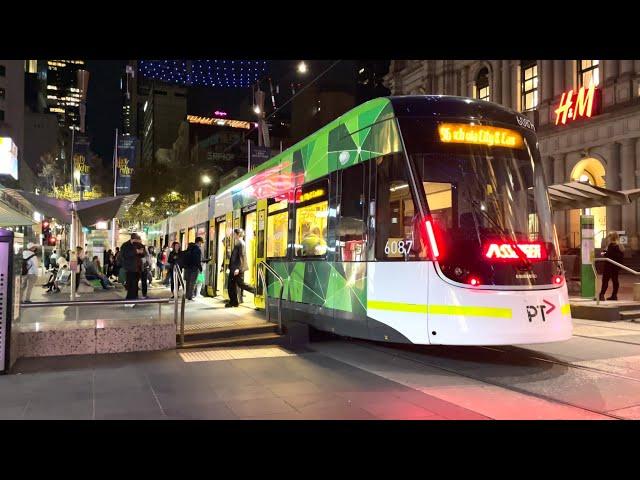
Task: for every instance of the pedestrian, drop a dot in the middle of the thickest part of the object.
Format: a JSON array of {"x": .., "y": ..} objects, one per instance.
[
  {"x": 172, "y": 261},
  {"x": 117, "y": 264},
  {"x": 80, "y": 264},
  {"x": 145, "y": 278},
  {"x": 192, "y": 266},
  {"x": 614, "y": 251},
  {"x": 160, "y": 261},
  {"x": 53, "y": 260},
  {"x": 131, "y": 253},
  {"x": 93, "y": 271},
  {"x": 237, "y": 267},
  {"x": 153, "y": 263},
  {"x": 30, "y": 268},
  {"x": 107, "y": 263}
]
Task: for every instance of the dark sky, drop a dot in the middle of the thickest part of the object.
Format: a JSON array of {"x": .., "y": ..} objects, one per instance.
[{"x": 104, "y": 105}]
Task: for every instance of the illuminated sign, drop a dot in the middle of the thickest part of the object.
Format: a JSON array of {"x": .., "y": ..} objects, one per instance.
[
  {"x": 8, "y": 157},
  {"x": 506, "y": 251},
  {"x": 223, "y": 122},
  {"x": 572, "y": 106},
  {"x": 219, "y": 113},
  {"x": 311, "y": 195},
  {"x": 479, "y": 135}
]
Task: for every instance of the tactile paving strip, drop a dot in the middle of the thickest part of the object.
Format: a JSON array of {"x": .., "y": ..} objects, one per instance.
[{"x": 217, "y": 354}]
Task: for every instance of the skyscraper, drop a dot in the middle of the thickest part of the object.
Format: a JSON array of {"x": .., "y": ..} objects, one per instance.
[{"x": 63, "y": 94}]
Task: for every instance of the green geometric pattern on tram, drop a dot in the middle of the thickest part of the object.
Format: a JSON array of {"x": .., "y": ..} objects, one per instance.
[{"x": 341, "y": 286}]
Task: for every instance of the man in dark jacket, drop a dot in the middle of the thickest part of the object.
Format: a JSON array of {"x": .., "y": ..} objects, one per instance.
[
  {"x": 192, "y": 266},
  {"x": 131, "y": 253},
  {"x": 610, "y": 272},
  {"x": 237, "y": 267}
]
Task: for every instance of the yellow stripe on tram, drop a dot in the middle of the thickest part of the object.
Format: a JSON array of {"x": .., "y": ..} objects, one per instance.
[
  {"x": 566, "y": 309},
  {"x": 440, "y": 309}
]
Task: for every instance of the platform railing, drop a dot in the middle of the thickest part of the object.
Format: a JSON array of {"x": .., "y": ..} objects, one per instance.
[
  {"x": 178, "y": 282},
  {"x": 604, "y": 259},
  {"x": 266, "y": 296}
]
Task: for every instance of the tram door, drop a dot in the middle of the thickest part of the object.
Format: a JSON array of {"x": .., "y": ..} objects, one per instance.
[
  {"x": 250, "y": 239},
  {"x": 261, "y": 248}
]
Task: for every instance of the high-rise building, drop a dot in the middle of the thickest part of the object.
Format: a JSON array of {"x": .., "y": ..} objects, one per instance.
[
  {"x": 63, "y": 94},
  {"x": 12, "y": 122}
]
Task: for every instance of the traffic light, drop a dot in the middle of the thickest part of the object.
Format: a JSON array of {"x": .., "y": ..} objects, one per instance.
[{"x": 46, "y": 233}]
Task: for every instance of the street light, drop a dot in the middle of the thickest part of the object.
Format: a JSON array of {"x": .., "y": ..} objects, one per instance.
[
  {"x": 302, "y": 67},
  {"x": 206, "y": 179},
  {"x": 174, "y": 193},
  {"x": 153, "y": 199},
  {"x": 257, "y": 110}
]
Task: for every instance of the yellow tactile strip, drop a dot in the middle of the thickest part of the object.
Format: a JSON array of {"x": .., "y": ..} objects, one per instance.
[{"x": 216, "y": 354}]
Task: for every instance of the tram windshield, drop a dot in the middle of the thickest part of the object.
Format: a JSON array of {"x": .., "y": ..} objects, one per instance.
[{"x": 488, "y": 207}]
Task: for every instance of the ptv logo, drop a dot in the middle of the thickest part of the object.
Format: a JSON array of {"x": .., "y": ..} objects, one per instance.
[{"x": 534, "y": 310}]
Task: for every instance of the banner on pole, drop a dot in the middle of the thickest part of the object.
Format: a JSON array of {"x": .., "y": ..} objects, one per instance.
[
  {"x": 126, "y": 164},
  {"x": 81, "y": 169},
  {"x": 259, "y": 155}
]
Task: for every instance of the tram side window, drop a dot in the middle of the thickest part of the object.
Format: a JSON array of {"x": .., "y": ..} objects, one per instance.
[
  {"x": 351, "y": 225},
  {"x": 397, "y": 235},
  {"x": 277, "y": 229},
  {"x": 312, "y": 210}
]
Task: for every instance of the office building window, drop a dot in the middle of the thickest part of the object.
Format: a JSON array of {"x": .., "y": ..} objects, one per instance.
[
  {"x": 529, "y": 84},
  {"x": 3, "y": 71},
  {"x": 1, "y": 115},
  {"x": 482, "y": 85},
  {"x": 2, "y": 93},
  {"x": 588, "y": 72}
]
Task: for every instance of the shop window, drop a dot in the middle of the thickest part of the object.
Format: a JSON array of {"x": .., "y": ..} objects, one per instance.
[
  {"x": 351, "y": 224},
  {"x": 588, "y": 73},
  {"x": 398, "y": 235},
  {"x": 312, "y": 210},
  {"x": 3, "y": 71},
  {"x": 529, "y": 84},
  {"x": 277, "y": 229},
  {"x": 482, "y": 85}
]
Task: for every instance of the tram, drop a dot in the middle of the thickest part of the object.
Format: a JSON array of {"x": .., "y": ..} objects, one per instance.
[{"x": 413, "y": 219}]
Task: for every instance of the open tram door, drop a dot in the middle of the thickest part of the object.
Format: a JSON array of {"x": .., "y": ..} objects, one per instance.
[
  {"x": 261, "y": 248},
  {"x": 249, "y": 221}
]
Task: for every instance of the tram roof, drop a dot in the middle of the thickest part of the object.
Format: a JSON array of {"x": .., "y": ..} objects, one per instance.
[{"x": 385, "y": 108}]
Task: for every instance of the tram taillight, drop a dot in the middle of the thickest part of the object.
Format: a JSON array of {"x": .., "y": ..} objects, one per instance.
[
  {"x": 557, "y": 279},
  {"x": 433, "y": 244},
  {"x": 474, "y": 281}
]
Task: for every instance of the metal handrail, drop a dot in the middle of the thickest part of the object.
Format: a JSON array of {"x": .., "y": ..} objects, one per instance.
[
  {"x": 266, "y": 296},
  {"x": 177, "y": 272},
  {"x": 604, "y": 259}
]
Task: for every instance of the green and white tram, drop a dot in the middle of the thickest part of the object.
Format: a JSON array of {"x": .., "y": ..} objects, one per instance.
[{"x": 417, "y": 219}]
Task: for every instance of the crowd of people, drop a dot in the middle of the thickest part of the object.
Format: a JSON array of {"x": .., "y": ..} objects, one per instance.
[{"x": 136, "y": 266}]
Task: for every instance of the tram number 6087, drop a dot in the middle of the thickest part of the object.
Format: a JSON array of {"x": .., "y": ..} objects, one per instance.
[{"x": 397, "y": 247}]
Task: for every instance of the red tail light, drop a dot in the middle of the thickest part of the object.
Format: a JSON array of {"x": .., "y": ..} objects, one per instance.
[
  {"x": 557, "y": 279},
  {"x": 474, "y": 281},
  {"x": 432, "y": 239},
  {"x": 507, "y": 251}
]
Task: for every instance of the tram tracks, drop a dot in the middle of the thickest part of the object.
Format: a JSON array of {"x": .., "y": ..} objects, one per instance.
[{"x": 507, "y": 386}]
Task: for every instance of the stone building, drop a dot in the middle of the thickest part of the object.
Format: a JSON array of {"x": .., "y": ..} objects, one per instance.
[{"x": 595, "y": 142}]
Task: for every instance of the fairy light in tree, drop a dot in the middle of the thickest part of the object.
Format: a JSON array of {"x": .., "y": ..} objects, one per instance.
[{"x": 209, "y": 73}]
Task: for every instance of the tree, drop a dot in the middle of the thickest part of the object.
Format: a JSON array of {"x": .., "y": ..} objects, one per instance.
[
  {"x": 50, "y": 174},
  {"x": 145, "y": 212}
]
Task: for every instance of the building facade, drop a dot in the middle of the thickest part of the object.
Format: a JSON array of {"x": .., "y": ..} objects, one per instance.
[{"x": 586, "y": 114}]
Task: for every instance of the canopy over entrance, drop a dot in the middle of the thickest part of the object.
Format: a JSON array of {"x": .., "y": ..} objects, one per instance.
[
  {"x": 89, "y": 212},
  {"x": 575, "y": 195}
]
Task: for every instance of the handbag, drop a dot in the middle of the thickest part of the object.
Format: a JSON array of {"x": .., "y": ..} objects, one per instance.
[{"x": 200, "y": 278}]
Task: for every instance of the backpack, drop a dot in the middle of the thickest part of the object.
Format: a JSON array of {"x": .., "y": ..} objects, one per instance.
[{"x": 25, "y": 264}]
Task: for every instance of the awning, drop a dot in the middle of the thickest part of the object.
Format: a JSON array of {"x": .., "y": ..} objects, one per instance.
[
  {"x": 90, "y": 212},
  {"x": 576, "y": 195}
]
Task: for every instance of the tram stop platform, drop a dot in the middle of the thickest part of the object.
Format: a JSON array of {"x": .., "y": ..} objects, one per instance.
[{"x": 68, "y": 330}]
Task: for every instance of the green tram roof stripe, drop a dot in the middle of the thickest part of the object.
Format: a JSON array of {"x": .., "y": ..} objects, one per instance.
[{"x": 350, "y": 119}]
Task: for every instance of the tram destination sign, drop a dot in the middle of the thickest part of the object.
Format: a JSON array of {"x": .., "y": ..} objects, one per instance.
[{"x": 479, "y": 135}]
